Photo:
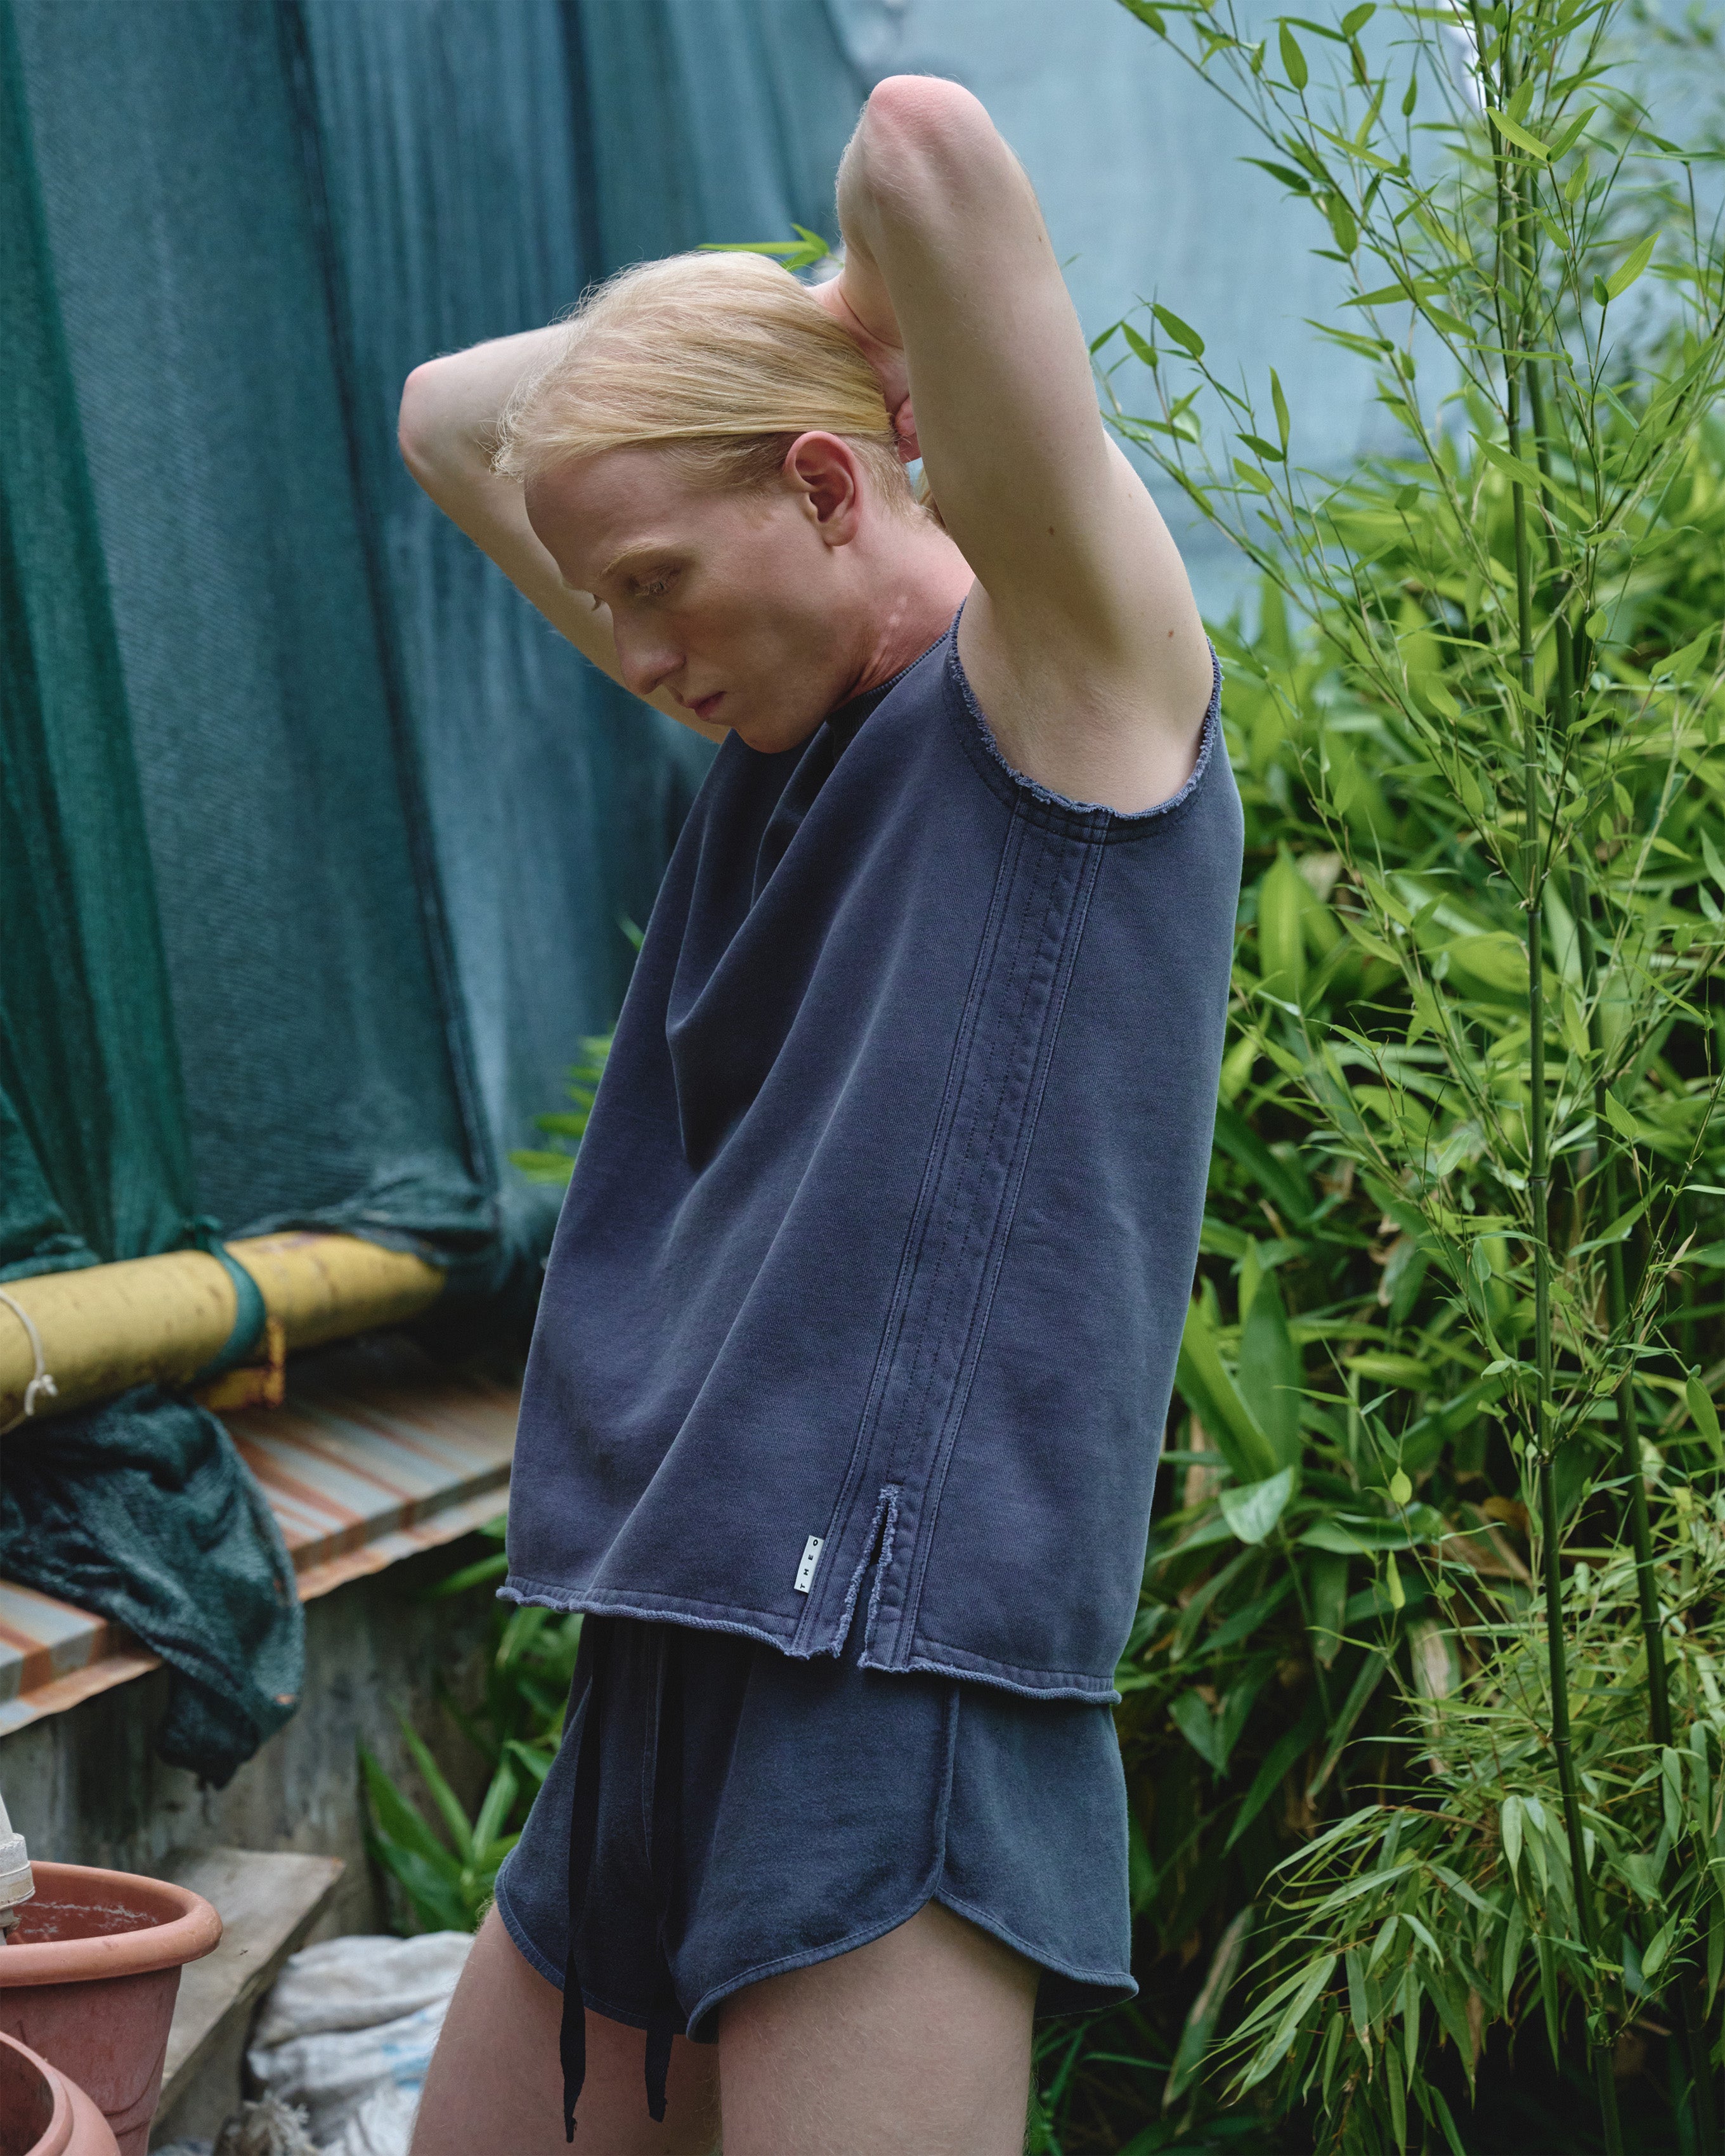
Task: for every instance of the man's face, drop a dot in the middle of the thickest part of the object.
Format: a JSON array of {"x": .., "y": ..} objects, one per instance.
[{"x": 727, "y": 600}]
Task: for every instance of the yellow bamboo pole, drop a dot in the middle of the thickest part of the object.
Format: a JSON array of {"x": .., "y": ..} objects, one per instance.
[{"x": 162, "y": 1320}]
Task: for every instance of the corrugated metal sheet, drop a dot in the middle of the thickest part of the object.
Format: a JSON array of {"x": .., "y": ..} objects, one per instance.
[{"x": 375, "y": 1456}]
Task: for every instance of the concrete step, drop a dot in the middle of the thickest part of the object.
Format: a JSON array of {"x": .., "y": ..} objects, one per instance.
[{"x": 267, "y": 1901}]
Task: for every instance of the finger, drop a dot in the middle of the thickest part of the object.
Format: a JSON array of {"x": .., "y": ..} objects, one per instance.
[{"x": 904, "y": 426}]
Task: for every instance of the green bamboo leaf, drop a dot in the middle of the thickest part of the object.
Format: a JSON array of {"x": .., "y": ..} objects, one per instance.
[
  {"x": 434, "y": 1889},
  {"x": 1328, "y": 1601},
  {"x": 1356, "y": 149},
  {"x": 1192, "y": 1717},
  {"x": 1140, "y": 349},
  {"x": 1572, "y": 133},
  {"x": 1619, "y": 281},
  {"x": 1435, "y": 2097},
  {"x": 1420, "y": 288},
  {"x": 1620, "y": 1119},
  {"x": 396, "y": 1818},
  {"x": 1703, "y": 1413},
  {"x": 1252, "y": 1510},
  {"x": 1270, "y": 1376},
  {"x": 1293, "y": 59},
  {"x": 1207, "y": 2007},
  {"x": 1182, "y": 333},
  {"x": 1516, "y": 468},
  {"x": 1398, "y": 2098},
  {"x": 1212, "y": 1396},
  {"x": 1283, "y": 898},
  {"x": 1358, "y": 2012},
  {"x": 1519, "y": 136},
  {"x": 454, "y": 1811},
  {"x": 1296, "y": 182},
  {"x": 1150, "y": 17},
  {"x": 1284, "y": 1181},
  {"x": 1683, "y": 666},
  {"x": 498, "y": 1803},
  {"x": 535, "y": 1763},
  {"x": 1316, "y": 1977},
  {"x": 1281, "y": 402},
  {"x": 1659, "y": 1948},
  {"x": 1283, "y": 1753},
  {"x": 1616, "y": 1232},
  {"x": 1365, "y": 1683},
  {"x": 1259, "y": 447},
  {"x": 1494, "y": 966},
  {"x": 802, "y": 252}
]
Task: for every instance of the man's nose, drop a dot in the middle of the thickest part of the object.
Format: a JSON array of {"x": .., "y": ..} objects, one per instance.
[{"x": 646, "y": 662}]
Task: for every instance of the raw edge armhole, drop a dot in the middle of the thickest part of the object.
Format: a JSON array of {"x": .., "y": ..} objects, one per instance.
[{"x": 1121, "y": 823}]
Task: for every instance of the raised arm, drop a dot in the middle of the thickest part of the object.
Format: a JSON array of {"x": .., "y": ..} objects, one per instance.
[
  {"x": 1083, "y": 641},
  {"x": 450, "y": 410}
]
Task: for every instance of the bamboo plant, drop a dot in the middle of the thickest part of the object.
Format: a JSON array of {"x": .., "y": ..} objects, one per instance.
[{"x": 1529, "y": 1091}]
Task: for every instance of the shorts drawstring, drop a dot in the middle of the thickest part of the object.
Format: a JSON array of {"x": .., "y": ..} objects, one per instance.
[
  {"x": 583, "y": 1834},
  {"x": 665, "y": 2015}
]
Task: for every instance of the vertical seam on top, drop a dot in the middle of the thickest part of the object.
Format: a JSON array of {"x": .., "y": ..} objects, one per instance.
[{"x": 1064, "y": 960}]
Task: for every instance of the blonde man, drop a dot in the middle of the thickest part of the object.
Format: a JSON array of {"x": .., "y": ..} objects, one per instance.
[{"x": 843, "y": 1411}]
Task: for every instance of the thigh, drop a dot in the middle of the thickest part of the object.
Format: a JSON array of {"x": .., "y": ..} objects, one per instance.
[
  {"x": 920, "y": 2039},
  {"x": 495, "y": 2083}
]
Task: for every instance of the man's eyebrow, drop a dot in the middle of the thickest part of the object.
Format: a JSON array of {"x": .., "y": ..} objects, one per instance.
[{"x": 638, "y": 555}]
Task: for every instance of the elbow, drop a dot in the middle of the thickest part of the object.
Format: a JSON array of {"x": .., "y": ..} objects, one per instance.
[
  {"x": 915, "y": 124},
  {"x": 415, "y": 425}
]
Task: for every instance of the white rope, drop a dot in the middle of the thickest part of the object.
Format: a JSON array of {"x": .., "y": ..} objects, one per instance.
[{"x": 41, "y": 1386}]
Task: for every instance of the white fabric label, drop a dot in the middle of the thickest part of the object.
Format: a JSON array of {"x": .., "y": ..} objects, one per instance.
[{"x": 811, "y": 1557}]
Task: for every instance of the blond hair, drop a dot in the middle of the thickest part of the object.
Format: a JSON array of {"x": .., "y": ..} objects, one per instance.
[{"x": 723, "y": 359}]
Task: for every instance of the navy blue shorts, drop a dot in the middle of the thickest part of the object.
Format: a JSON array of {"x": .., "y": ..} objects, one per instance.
[{"x": 733, "y": 1813}]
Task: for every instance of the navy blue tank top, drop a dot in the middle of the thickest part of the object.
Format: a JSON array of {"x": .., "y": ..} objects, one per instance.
[{"x": 866, "y": 1294}]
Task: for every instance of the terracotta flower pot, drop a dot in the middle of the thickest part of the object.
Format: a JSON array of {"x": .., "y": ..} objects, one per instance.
[
  {"x": 43, "y": 2114},
  {"x": 89, "y": 1981}
]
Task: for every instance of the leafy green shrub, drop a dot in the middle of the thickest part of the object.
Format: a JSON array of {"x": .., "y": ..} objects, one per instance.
[
  {"x": 445, "y": 1861},
  {"x": 554, "y": 1163},
  {"x": 1446, "y": 1371}
]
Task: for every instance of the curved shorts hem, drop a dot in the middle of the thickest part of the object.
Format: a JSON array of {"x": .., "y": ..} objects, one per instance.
[
  {"x": 520, "y": 1937},
  {"x": 1117, "y": 1985},
  {"x": 1114, "y": 1986},
  {"x": 716, "y": 1994},
  {"x": 612, "y": 2010}
]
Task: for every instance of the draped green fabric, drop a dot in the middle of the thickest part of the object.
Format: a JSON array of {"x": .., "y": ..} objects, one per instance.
[
  {"x": 317, "y": 847},
  {"x": 93, "y": 1148}
]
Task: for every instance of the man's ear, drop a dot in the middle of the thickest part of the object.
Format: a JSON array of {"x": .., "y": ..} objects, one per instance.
[{"x": 823, "y": 471}]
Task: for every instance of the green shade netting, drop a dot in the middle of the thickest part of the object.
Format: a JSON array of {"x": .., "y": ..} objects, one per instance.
[
  {"x": 315, "y": 841},
  {"x": 92, "y": 1129}
]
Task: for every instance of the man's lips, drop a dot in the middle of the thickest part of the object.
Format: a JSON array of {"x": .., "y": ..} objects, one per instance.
[{"x": 704, "y": 707}]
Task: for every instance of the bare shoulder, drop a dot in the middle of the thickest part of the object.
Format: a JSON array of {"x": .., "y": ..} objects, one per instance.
[
  {"x": 1103, "y": 700},
  {"x": 1083, "y": 641}
]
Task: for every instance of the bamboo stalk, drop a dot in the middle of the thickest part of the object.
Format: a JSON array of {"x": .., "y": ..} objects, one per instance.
[
  {"x": 1514, "y": 250},
  {"x": 1691, "y": 2008}
]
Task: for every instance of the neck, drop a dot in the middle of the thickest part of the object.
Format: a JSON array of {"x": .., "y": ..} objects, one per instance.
[{"x": 921, "y": 585}]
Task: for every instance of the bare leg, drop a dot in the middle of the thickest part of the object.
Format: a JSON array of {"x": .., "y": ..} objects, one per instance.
[
  {"x": 495, "y": 2084},
  {"x": 919, "y": 2041}
]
